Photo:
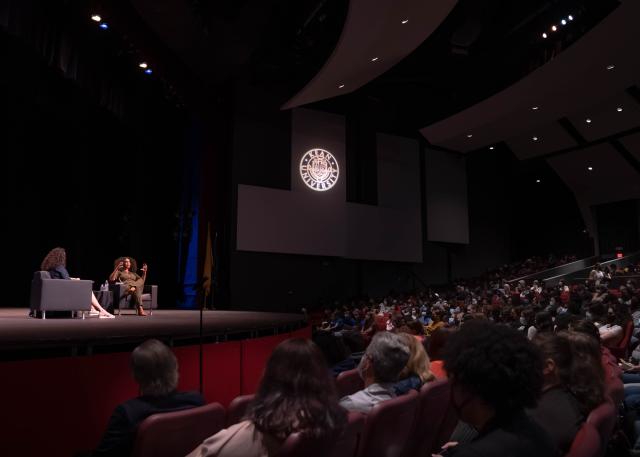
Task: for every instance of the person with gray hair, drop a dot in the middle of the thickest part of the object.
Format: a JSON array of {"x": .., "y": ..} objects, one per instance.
[
  {"x": 379, "y": 368},
  {"x": 155, "y": 369}
]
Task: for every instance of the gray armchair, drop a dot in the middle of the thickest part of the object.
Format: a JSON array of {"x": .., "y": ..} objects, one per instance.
[
  {"x": 123, "y": 301},
  {"x": 59, "y": 294}
]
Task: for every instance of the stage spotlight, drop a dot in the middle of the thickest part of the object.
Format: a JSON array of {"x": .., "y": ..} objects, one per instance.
[
  {"x": 535, "y": 108},
  {"x": 544, "y": 35},
  {"x": 96, "y": 18},
  {"x": 610, "y": 67},
  {"x": 143, "y": 65},
  {"x": 590, "y": 168},
  {"x": 588, "y": 121},
  {"x": 374, "y": 59},
  {"x": 554, "y": 28},
  {"x": 148, "y": 71},
  {"x": 340, "y": 86},
  {"x": 535, "y": 138},
  {"x": 563, "y": 22},
  {"x": 405, "y": 21},
  {"x": 619, "y": 109},
  {"x": 570, "y": 17},
  {"x": 538, "y": 181},
  {"x": 104, "y": 26},
  {"x": 491, "y": 148},
  {"x": 470, "y": 135}
]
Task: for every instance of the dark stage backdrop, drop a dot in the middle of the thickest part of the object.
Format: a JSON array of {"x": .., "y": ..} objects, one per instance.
[{"x": 75, "y": 175}]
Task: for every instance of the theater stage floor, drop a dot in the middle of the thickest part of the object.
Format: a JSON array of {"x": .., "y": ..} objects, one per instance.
[{"x": 21, "y": 335}]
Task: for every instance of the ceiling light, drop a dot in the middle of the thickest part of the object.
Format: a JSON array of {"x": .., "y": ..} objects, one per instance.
[
  {"x": 535, "y": 138},
  {"x": 588, "y": 121},
  {"x": 405, "y": 21},
  {"x": 148, "y": 71},
  {"x": 554, "y": 28},
  {"x": 143, "y": 65},
  {"x": 470, "y": 135},
  {"x": 538, "y": 181},
  {"x": 590, "y": 168},
  {"x": 104, "y": 26},
  {"x": 96, "y": 18},
  {"x": 619, "y": 109},
  {"x": 570, "y": 17},
  {"x": 610, "y": 67},
  {"x": 535, "y": 108},
  {"x": 563, "y": 22},
  {"x": 374, "y": 59},
  {"x": 340, "y": 86},
  {"x": 491, "y": 148},
  {"x": 544, "y": 35}
]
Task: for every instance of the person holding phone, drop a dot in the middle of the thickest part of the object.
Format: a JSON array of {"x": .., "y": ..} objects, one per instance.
[{"x": 125, "y": 271}]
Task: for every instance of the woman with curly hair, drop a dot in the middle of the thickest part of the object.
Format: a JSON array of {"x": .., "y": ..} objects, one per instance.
[
  {"x": 496, "y": 373},
  {"x": 125, "y": 271},
  {"x": 55, "y": 262},
  {"x": 296, "y": 394}
]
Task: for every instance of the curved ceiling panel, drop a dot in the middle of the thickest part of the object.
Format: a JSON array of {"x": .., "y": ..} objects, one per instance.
[
  {"x": 575, "y": 80},
  {"x": 373, "y": 30}
]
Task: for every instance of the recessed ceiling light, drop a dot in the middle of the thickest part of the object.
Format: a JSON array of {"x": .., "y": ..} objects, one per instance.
[
  {"x": 610, "y": 67},
  {"x": 96, "y": 18},
  {"x": 143, "y": 65},
  {"x": 563, "y": 22},
  {"x": 554, "y": 28},
  {"x": 588, "y": 121},
  {"x": 374, "y": 59},
  {"x": 104, "y": 26},
  {"x": 470, "y": 135},
  {"x": 544, "y": 35},
  {"x": 570, "y": 17},
  {"x": 537, "y": 180},
  {"x": 535, "y": 108},
  {"x": 405, "y": 21},
  {"x": 535, "y": 138},
  {"x": 491, "y": 148},
  {"x": 619, "y": 109},
  {"x": 590, "y": 168},
  {"x": 340, "y": 86}
]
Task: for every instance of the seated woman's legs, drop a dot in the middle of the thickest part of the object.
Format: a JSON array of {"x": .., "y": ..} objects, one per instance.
[{"x": 96, "y": 305}]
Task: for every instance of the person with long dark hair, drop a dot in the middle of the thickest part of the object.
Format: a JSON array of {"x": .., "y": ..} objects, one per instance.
[
  {"x": 573, "y": 384},
  {"x": 55, "y": 263},
  {"x": 296, "y": 394}
]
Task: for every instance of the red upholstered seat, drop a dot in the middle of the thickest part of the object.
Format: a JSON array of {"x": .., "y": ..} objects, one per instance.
[
  {"x": 432, "y": 411},
  {"x": 238, "y": 408},
  {"x": 603, "y": 419},
  {"x": 586, "y": 443},
  {"x": 348, "y": 443},
  {"x": 388, "y": 426},
  {"x": 349, "y": 382},
  {"x": 177, "y": 432},
  {"x": 621, "y": 350}
]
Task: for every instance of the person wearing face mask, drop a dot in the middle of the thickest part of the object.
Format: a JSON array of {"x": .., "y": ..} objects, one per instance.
[
  {"x": 379, "y": 368},
  {"x": 496, "y": 373}
]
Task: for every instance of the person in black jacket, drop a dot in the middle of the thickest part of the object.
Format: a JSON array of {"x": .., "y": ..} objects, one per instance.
[
  {"x": 55, "y": 262},
  {"x": 155, "y": 369},
  {"x": 495, "y": 373}
]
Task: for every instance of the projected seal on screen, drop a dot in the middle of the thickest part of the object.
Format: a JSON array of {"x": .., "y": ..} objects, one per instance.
[{"x": 319, "y": 169}]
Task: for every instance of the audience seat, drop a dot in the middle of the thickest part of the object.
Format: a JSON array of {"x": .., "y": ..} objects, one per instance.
[
  {"x": 586, "y": 443},
  {"x": 299, "y": 444},
  {"x": 177, "y": 432},
  {"x": 431, "y": 413},
  {"x": 614, "y": 388},
  {"x": 348, "y": 443},
  {"x": 349, "y": 382},
  {"x": 603, "y": 419},
  {"x": 388, "y": 427},
  {"x": 238, "y": 408}
]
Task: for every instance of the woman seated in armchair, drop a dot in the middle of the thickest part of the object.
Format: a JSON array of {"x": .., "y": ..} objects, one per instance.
[{"x": 125, "y": 272}]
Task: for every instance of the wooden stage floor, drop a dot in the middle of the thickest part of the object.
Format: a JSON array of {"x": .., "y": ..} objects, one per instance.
[{"x": 22, "y": 336}]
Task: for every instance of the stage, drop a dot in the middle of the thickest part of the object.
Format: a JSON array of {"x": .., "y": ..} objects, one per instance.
[{"x": 25, "y": 337}]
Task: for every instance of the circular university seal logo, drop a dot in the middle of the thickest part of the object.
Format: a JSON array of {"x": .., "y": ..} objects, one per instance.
[{"x": 319, "y": 169}]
